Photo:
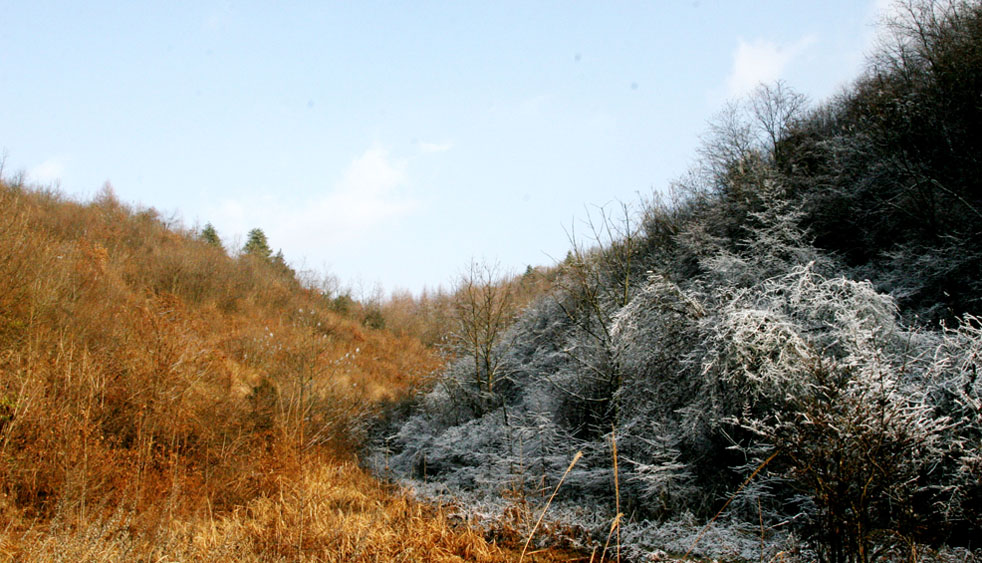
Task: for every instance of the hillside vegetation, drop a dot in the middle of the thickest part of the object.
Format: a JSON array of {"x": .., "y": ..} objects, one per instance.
[
  {"x": 780, "y": 362},
  {"x": 161, "y": 399},
  {"x": 777, "y": 361}
]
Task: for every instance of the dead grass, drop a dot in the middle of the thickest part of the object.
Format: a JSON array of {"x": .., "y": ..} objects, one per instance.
[
  {"x": 161, "y": 400},
  {"x": 336, "y": 512}
]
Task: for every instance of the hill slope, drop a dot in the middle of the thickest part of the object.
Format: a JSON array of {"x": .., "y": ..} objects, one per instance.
[
  {"x": 159, "y": 398},
  {"x": 792, "y": 338}
]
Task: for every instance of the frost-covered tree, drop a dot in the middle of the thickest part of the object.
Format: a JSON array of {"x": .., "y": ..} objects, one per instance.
[
  {"x": 595, "y": 282},
  {"x": 653, "y": 336},
  {"x": 756, "y": 346}
]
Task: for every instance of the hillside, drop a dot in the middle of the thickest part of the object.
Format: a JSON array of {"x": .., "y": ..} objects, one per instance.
[
  {"x": 775, "y": 360},
  {"x": 780, "y": 362},
  {"x": 161, "y": 397}
]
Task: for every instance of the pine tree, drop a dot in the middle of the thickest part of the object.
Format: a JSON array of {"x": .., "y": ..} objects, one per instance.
[
  {"x": 257, "y": 244},
  {"x": 210, "y": 235},
  {"x": 279, "y": 263}
]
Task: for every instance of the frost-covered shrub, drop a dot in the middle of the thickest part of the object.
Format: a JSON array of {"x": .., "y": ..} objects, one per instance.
[
  {"x": 764, "y": 342},
  {"x": 522, "y": 441},
  {"x": 818, "y": 369},
  {"x": 725, "y": 540},
  {"x": 954, "y": 380},
  {"x": 875, "y": 426},
  {"x": 652, "y": 336},
  {"x": 747, "y": 373}
]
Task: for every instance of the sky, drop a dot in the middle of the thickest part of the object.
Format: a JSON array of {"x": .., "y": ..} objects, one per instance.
[{"x": 389, "y": 144}]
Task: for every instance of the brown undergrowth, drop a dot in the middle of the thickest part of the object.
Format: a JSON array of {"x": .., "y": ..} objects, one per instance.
[
  {"x": 333, "y": 512},
  {"x": 162, "y": 400}
]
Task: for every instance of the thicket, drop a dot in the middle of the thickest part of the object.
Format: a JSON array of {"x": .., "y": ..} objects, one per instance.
[
  {"x": 887, "y": 173},
  {"x": 792, "y": 336}
]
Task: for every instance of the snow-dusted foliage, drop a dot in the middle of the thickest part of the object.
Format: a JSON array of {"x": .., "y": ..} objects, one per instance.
[
  {"x": 954, "y": 377},
  {"x": 728, "y": 540},
  {"x": 767, "y": 401},
  {"x": 702, "y": 381},
  {"x": 818, "y": 369},
  {"x": 654, "y": 335}
]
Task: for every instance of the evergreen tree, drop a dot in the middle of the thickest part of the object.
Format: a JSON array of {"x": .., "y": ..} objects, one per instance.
[
  {"x": 210, "y": 235},
  {"x": 279, "y": 263},
  {"x": 257, "y": 244}
]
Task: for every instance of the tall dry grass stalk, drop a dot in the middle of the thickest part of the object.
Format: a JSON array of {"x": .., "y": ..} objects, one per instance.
[
  {"x": 615, "y": 525},
  {"x": 548, "y": 502}
]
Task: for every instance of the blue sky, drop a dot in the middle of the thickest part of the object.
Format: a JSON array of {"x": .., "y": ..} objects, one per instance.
[{"x": 390, "y": 143}]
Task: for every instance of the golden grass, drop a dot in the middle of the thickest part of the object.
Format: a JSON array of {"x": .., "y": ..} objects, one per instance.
[
  {"x": 336, "y": 512},
  {"x": 161, "y": 400}
]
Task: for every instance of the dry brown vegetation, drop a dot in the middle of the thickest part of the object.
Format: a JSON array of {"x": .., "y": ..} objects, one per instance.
[
  {"x": 160, "y": 399},
  {"x": 432, "y": 315}
]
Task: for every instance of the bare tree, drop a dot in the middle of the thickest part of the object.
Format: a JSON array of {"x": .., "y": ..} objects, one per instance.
[
  {"x": 483, "y": 308},
  {"x": 598, "y": 279},
  {"x": 775, "y": 109}
]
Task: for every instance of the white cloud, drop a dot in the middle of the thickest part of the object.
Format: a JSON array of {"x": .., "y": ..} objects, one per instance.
[
  {"x": 761, "y": 61},
  {"x": 369, "y": 195},
  {"x": 369, "y": 192},
  {"x": 49, "y": 171}
]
